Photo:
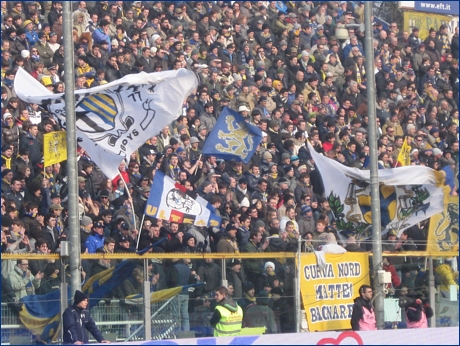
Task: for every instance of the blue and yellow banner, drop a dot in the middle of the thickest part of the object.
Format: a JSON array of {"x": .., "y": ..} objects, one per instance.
[
  {"x": 155, "y": 297},
  {"x": 233, "y": 138},
  {"x": 40, "y": 314},
  {"x": 98, "y": 286}
]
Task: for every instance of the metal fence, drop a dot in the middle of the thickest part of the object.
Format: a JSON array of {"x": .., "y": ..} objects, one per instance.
[
  {"x": 116, "y": 320},
  {"x": 12, "y": 329}
]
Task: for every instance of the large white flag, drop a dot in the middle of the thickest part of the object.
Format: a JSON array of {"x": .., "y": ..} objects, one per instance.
[
  {"x": 115, "y": 119},
  {"x": 408, "y": 195}
]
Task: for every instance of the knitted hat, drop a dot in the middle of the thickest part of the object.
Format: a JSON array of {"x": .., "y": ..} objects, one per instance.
[
  {"x": 259, "y": 223},
  {"x": 248, "y": 286},
  {"x": 262, "y": 298},
  {"x": 285, "y": 156},
  {"x": 79, "y": 297},
  {"x": 234, "y": 262},
  {"x": 86, "y": 221},
  {"x": 7, "y": 115},
  {"x": 267, "y": 155},
  {"x": 305, "y": 209},
  {"x": 6, "y": 147},
  {"x": 269, "y": 264},
  {"x": 244, "y": 202}
]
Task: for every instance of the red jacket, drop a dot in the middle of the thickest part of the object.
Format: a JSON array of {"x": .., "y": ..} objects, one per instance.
[{"x": 395, "y": 279}]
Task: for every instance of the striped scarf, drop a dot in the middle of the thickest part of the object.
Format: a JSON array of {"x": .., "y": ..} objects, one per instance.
[
  {"x": 7, "y": 161},
  {"x": 234, "y": 245},
  {"x": 360, "y": 72}
]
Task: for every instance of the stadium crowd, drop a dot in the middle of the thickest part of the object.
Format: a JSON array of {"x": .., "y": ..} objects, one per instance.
[{"x": 280, "y": 65}]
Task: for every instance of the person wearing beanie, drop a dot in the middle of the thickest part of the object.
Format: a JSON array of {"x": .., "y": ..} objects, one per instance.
[
  {"x": 76, "y": 319},
  {"x": 31, "y": 34},
  {"x": 228, "y": 242},
  {"x": 84, "y": 69},
  {"x": 306, "y": 220},
  {"x": 248, "y": 298},
  {"x": 267, "y": 265},
  {"x": 260, "y": 314},
  {"x": 86, "y": 224}
]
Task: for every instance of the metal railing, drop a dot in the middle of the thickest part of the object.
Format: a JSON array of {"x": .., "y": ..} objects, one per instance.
[{"x": 113, "y": 317}]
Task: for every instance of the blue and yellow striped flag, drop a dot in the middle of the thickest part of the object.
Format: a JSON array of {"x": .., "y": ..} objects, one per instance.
[
  {"x": 100, "y": 285},
  {"x": 40, "y": 314}
]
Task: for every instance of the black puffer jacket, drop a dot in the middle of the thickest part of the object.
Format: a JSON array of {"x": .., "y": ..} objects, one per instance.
[{"x": 10, "y": 135}]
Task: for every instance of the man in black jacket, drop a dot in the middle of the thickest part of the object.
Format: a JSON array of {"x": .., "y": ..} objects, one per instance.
[
  {"x": 363, "y": 316},
  {"x": 76, "y": 319}
]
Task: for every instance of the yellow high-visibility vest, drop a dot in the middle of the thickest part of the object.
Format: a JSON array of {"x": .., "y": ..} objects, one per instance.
[{"x": 230, "y": 322}]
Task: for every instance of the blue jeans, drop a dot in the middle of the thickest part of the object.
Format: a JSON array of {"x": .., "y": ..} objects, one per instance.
[{"x": 183, "y": 310}]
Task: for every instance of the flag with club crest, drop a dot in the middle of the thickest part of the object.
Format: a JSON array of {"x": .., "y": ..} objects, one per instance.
[
  {"x": 115, "y": 119},
  {"x": 169, "y": 201},
  {"x": 232, "y": 138},
  {"x": 408, "y": 195}
]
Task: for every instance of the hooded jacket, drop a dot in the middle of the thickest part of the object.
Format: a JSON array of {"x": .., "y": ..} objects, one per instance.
[{"x": 227, "y": 303}]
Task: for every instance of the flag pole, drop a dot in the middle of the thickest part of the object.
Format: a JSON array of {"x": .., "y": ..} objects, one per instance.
[
  {"x": 374, "y": 176},
  {"x": 129, "y": 195},
  {"x": 196, "y": 167},
  {"x": 140, "y": 230},
  {"x": 72, "y": 171}
]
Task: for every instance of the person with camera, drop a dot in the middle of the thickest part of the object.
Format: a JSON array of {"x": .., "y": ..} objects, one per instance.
[
  {"x": 418, "y": 312},
  {"x": 363, "y": 316}
]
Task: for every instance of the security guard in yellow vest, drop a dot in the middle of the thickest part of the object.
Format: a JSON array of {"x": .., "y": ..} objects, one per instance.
[{"x": 228, "y": 316}]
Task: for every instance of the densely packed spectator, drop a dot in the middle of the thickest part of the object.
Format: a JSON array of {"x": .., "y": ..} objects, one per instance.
[{"x": 282, "y": 66}]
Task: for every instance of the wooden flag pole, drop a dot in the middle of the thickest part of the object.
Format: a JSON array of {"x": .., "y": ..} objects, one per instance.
[{"x": 196, "y": 167}]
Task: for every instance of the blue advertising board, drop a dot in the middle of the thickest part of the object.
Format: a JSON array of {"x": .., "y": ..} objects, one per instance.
[{"x": 443, "y": 7}]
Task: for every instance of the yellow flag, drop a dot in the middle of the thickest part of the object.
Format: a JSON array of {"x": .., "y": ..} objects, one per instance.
[
  {"x": 54, "y": 147},
  {"x": 404, "y": 154},
  {"x": 443, "y": 230},
  {"x": 328, "y": 293}
]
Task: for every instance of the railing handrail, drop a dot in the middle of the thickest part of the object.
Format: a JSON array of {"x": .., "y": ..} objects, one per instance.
[{"x": 213, "y": 255}]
